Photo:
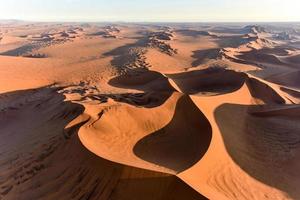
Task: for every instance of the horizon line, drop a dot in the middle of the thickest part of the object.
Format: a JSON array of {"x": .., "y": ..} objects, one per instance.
[{"x": 146, "y": 21}]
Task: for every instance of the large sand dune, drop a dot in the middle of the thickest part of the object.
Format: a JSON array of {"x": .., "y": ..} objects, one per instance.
[{"x": 146, "y": 111}]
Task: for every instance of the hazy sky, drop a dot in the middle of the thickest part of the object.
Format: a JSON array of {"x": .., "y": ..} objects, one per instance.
[{"x": 151, "y": 10}]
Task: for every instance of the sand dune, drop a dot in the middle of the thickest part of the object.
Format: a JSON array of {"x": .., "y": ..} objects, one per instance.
[
  {"x": 203, "y": 56},
  {"x": 149, "y": 111},
  {"x": 294, "y": 59},
  {"x": 223, "y": 177},
  {"x": 293, "y": 94},
  {"x": 208, "y": 81},
  {"x": 288, "y": 79},
  {"x": 143, "y": 80},
  {"x": 153, "y": 144},
  {"x": 52, "y": 160},
  {"x": 263, "y": 92}
]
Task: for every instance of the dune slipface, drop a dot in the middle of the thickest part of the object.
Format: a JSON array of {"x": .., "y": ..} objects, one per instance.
[{"x": 149, "y": 111}]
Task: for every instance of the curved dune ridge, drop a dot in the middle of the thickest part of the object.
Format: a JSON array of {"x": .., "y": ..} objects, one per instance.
[
  {"x": 163, "y": 144},
  {"x": 59, "y": 161},
  {"x": 132, "y": 111},
  {"x": 181, "y": 143}
]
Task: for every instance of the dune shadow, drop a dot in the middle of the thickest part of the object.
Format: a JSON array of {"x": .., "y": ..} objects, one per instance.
[
  {"x": 175, "y": 189},
  {"x": 145, "y": 100},
  {"x": 193, "y": 33},
  {"x": 278, "y": 51},
  {"x": 127, "y": 53},
  {"x": 20, "y": 50},
  {"x": 25, "y": 51},
  {"x": 203, "y": 56},
  {"x": 181, "y": 143},
  {"x": 263, "y": 92},
  {"x": 229, "y": 30},
  {"x": 264, "y": 141},
  {"x": 231, "y": 41},
  {"x": 290, "y": 79},
  {"x": 143, "y": 80},
  {"x": 291, "y": 92},
  {"x": 212, "y": 80},
  {"x": 260, "y": 56},
  {"x": 294, "y": 59}
]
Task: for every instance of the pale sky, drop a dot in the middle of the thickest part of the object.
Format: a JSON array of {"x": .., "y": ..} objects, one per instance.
[{"x": 152, "y": 10}]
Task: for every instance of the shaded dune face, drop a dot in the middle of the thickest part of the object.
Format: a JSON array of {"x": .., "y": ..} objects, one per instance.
[
  {"x": 260, "y": 56},
  {"x": 263, "y": 93},
  {"x": 212, "y": 81},
  {"x": 288, "y": 79},
  {"x": 48, "y": 160},
  {"x": 232, "y": 41},
  {"x": 146, "y": 99},
  {"x": 294, "y": 59},
  {"x": 193, "y": 33},
  {"x": 19, "y": 51},
  {"x": 278, "y": 51},
  {"x": 278, "y": 56},
  {"x": 294, "y": 95},
  {"x": 202, "y": 56},
  {"x": 264, "y": 142},
  {"x": 181, "y": 143},
  {"x": 144, "y": 80},
  {"x": 127, "y": 54}
]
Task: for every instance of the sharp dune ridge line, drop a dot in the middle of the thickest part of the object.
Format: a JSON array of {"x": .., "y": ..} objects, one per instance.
[{"x": 160, "y": 112}]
